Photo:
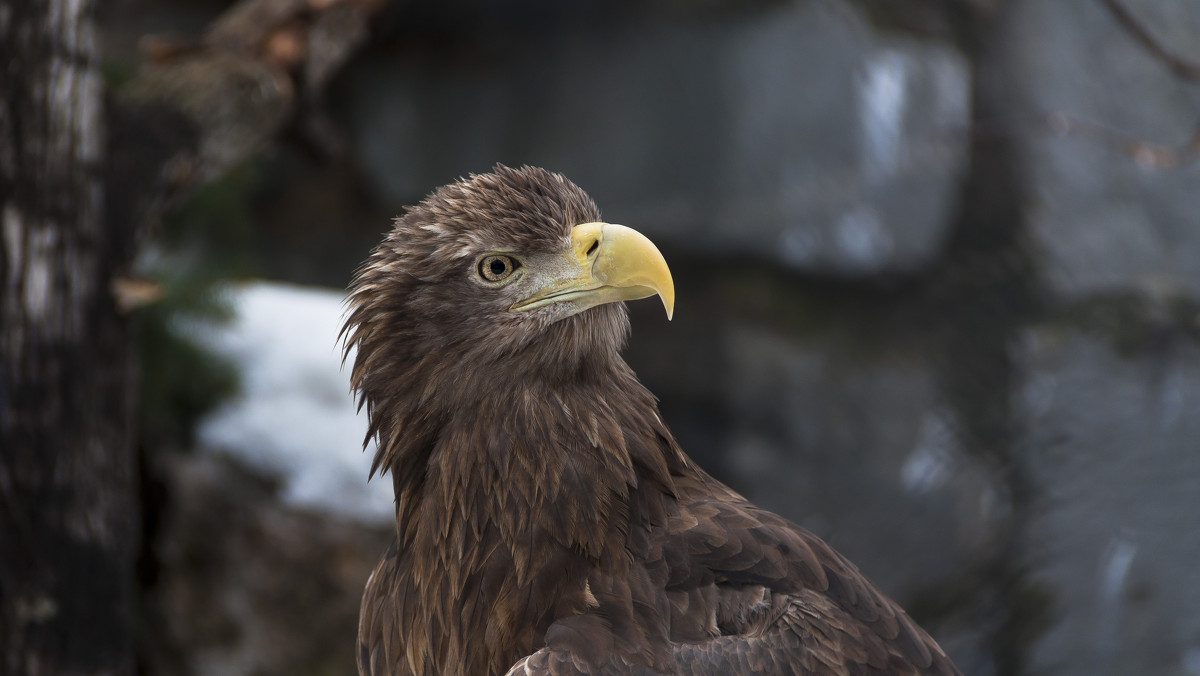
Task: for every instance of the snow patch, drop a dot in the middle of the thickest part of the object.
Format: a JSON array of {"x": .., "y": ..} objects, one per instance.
[
  {"x": 295, "y": 418},
  {"x": 929, "y": 464},
  {"x": 862, "y": 238},
  {"x": 1114, "y": 571},
  {"x": 883, "y": 92}
]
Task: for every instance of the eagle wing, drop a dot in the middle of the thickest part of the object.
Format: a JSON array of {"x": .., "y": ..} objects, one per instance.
[
  {"x": 785, "y": 602},
  {"x": 751, "y": 593}
]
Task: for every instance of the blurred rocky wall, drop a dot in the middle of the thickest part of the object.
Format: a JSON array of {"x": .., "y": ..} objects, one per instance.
[{"x": 913, "y": 314}]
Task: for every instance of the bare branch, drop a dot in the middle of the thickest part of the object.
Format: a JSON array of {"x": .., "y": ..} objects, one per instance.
[
  {"x": 1180, "y": 66},
  {"x": 199, "y": 107},
  {"x": 1143, "y": 152},
  {"x": 244, "y": 81}
]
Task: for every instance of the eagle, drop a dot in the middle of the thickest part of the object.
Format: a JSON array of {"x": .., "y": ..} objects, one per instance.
[{"x": 547, "y": 521}]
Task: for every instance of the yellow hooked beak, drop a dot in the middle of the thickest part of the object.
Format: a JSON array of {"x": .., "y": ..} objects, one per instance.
[{"x": 607, "y": 263}]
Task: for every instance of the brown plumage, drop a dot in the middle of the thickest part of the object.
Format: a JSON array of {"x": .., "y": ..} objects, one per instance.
[{"x": 547, "y": 522}]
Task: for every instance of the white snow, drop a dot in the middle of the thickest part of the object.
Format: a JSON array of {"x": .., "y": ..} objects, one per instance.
[
  {"x": 295, "y": 418},
  {"x": 929, "y": 465},
  {"x": 883, "y": 91}
]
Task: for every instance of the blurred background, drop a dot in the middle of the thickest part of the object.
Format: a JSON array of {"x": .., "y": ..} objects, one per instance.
[{"x": 938, "y": 277}]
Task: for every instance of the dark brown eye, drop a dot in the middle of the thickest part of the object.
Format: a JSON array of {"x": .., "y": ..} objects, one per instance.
[{"x": 497, "y": 268}]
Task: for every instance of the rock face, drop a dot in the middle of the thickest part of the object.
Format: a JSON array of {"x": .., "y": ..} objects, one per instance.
[
  {"x": 876, "y": 432},
  {"x": 922, "y": 309},
  {"x": 1100, "y": 220},
  {"x": 1112, "y": 443},
  {"x": 243, "y": 584},
  {"x": 794, "y": 134}
]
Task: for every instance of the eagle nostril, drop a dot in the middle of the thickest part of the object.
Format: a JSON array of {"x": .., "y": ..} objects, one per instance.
[{"x": 595, "y": 245}]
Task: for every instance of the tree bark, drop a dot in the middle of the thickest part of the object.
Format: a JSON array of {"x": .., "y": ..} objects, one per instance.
[
  {"x": 68, "y": 512},
  {"x": 80, "y": 183}
]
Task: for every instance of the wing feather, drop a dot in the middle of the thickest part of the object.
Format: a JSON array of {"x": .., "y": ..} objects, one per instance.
[
  {"x": 787, "y": 603},
  {"x": 759, "y": 595}
]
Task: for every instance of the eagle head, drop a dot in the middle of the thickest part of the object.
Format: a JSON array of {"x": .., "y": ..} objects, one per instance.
[{"x": 508, "y": 274}]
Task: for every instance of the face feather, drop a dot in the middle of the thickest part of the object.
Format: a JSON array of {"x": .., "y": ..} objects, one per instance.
[{"x": 526, "y": 209}]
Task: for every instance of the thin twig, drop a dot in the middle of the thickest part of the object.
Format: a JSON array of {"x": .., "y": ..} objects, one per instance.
[
  {"x": 1143, "y": 152},
  {"x": 1182, "y": 67}
]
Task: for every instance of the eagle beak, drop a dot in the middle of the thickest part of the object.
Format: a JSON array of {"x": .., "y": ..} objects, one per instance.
[{"x": 608, "y": 263}]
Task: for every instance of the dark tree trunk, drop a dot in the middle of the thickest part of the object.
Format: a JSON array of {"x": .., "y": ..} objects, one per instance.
[
  {"x": 68, "y": 513},
  {"x": 77, "y": 191}
]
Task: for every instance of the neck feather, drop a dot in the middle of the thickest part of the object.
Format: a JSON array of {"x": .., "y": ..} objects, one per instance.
[{"x": 506, "y": 503}]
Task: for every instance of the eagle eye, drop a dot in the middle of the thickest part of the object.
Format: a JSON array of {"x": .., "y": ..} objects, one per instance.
[{"x": 497, "y": 268}]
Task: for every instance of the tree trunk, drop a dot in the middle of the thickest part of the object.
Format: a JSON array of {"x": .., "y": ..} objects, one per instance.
[
  {"x": 75, "y": 198},
  {"x": 68, "y": 510}
]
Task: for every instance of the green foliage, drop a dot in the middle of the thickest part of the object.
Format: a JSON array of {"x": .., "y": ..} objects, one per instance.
[
  {"x": 117, "y": 72},
  {"x": 213, "y": 231},
  {"x": 204, "y": 241}
]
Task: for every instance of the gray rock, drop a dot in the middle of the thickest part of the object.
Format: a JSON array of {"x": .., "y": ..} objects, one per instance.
[
  {"x": 845, "y": 146},
  {"x": 1101, "y": 220},
  {"x": 1113, "y": 538},
  {"x": 792, "y": 134},
  {"x": 244, "y": 584},
  {"x": 863, "y": 452}
]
